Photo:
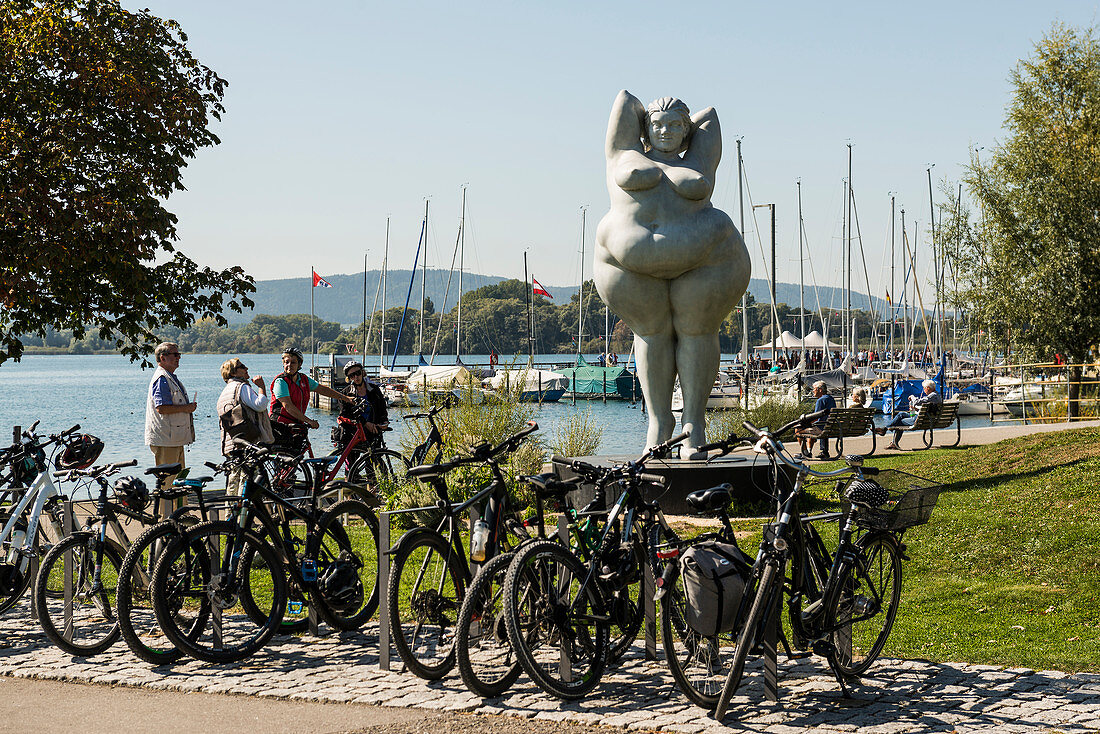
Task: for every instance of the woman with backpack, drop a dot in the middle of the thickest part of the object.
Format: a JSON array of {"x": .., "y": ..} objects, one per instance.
[{"x": 242, "y": 412}]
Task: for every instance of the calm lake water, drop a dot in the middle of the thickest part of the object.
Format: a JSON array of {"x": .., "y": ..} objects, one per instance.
[{"x": 105, "y": 394}]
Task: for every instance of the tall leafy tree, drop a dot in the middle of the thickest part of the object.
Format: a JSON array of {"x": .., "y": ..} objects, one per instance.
[
  {"x": 100, "y": 111},
  {"x": 1040, "y": 191}
]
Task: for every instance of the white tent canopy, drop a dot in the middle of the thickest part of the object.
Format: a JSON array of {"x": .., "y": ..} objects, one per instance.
[{"x": 787, "y": 340}]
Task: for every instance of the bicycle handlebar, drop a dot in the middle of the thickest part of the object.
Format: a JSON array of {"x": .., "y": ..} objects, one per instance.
[{"x": 653, "y": 479}]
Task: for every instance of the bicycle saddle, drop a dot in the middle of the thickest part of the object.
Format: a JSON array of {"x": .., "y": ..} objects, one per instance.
[
  {"x": 552, "y": 487},
  {"x": 164, "y": 470},
  {"x": 714, "y": 499},
  {"x": 432, "y": 470}
]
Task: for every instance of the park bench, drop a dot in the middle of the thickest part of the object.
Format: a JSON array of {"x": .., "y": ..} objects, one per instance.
[
  {"x": 844, "y": 423},
  {"x": 930, "y": 420}
]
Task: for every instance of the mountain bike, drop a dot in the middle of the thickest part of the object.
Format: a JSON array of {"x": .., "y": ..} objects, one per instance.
[
  {"x": 75, "y": 589},
  {"x": 24, "y": 537},
  {"x": 560, "y": 609},
  {"x": 136, "y": 617},
  {"x": 842, "y": 606},
  {"x": 430, "y": 566},
  {"x": 263, "y": 565}
]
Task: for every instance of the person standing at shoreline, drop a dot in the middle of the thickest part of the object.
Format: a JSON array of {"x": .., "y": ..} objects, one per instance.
[
  {"x": 290, "y": 398},
  {"x": 169, "y": 419}
]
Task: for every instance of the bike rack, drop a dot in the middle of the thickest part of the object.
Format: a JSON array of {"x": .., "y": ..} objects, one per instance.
[{"x": 67, "y": 529}]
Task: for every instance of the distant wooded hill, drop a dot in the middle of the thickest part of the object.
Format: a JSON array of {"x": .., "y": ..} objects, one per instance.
[{"x": 343, "y": 303}]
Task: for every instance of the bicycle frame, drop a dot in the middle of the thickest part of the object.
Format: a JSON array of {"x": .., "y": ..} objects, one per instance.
[{"x": 41, "y": 492}]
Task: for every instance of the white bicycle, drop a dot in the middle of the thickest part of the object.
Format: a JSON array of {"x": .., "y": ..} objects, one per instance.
[{"x": 34, "y": 521}]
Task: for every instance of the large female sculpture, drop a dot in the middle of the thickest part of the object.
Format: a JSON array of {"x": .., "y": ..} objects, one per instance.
[{"x": 667, "y": 262}]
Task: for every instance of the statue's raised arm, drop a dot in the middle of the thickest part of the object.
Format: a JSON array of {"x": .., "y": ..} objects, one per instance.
[
  {"x": 705, "y": 149},
  {"x": 625, "y": 128}
]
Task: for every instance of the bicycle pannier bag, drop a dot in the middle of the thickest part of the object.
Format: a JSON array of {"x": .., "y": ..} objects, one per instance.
[{"x": 715, "y": 576}]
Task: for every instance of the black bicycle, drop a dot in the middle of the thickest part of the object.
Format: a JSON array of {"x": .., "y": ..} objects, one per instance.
[
  {"x": 561, "y": 610},
  {"x": 431, "y": 567},
  {"x": 264, "y": 565},
  {"x": 842, "y": 605}
]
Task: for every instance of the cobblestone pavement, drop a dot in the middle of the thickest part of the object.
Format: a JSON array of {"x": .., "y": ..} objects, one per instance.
[{"x": 898, "y": 696}]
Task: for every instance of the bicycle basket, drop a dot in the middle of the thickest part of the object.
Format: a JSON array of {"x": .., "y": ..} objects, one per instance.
[{"x": 909, "y": 501}]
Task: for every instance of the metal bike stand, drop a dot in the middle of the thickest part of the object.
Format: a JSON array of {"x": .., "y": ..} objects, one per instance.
[
  {"x": 649, "y": 605},
  {"x": 565, "y": 665},
  {"x": 67, "y": 528},
  {"x": 383, "y": 590},
  {"x": 770, "y": 645},
  {"x": 215, "y": 565}
]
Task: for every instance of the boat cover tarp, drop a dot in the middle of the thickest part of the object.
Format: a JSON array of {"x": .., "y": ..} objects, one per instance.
[
  {"x": 589, "y": 379},
  {"x": 530, "y": 379},
  {"x": 441, "y": 376}
]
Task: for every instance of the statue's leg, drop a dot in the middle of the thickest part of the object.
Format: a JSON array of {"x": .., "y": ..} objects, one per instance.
[
  {"x": 643, "y": 303},
  {"x": 701, "y": 300}
]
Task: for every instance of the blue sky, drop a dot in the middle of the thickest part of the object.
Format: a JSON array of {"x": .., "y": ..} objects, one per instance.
[{"x": 342, "y": 113}]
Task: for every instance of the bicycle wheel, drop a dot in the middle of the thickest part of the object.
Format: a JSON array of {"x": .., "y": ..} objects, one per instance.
[
  {"x": 698, "y": 662},
  {"x": 767, "y": 592},
  {"x": 347, "y": 592},
  {"x": 13, "y": 582},
  {"x": 290, "y": 477},
  {"x": 136, "y": 619},
  {"x": 482, "y": 650},
  {"x": 379, "y": 467},
  {"x": 295, "y": 617},
  {"x": 425, "y": 594},
  {"x": 862, "y": 605},
  {"x": 196, "y": 566},
  {"x": 559, "y": 630},
  {"x": 87, "y": 625},
  {"x": 625, "y": 605}
]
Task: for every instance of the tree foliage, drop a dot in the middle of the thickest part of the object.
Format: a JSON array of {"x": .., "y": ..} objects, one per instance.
[
  {"x": 1033, "y": 270},
  {"x": 100, "y": 111}
]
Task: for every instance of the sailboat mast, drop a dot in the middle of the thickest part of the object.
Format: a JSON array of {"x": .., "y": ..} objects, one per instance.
[
  {"x": 853, "y": 345},
  {"x": 385, "y": 277},
  {"x": 905, "y": 306},
  {"x": 530, "y": 315},
  {"x": 745, "y": 295},
  {"x": 801, "y": 278},
  {"x": 580, "y": 292},
  {"x": 461, "y": 257},
  {"x": 937, "y": 265},
  {"x": 364, "y": 307},
  {"x": 893, "y": 292},
  {"x": 423, "y": 283}
]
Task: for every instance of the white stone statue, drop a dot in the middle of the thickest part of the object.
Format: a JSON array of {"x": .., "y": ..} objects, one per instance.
[{"x": 667, "y": 262}]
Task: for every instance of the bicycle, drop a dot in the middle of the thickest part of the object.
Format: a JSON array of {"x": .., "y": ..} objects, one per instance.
[
  {"x": 75, "y": 589},
  {"x": 430, "y": 566},
  {"x": 827, "y": 595},
  {"x": 483, "y": 654},
  {"x": 254, "y": 570},
  {"x": 24, "y": 537},
  {"x": 560, "y": 609},
  {"x": 136, "y": 617}
]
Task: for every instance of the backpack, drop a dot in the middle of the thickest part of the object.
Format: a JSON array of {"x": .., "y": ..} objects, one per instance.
[{"x": 715, "y": 576}]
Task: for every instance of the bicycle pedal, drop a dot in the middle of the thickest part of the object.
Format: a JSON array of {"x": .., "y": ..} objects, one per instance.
[
  {"x": 799, "y": 655},
  {"x": 294, "y": 607}
]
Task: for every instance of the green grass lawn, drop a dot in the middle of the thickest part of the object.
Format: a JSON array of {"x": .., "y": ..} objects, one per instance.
[{"x": 1008, "y": 570}]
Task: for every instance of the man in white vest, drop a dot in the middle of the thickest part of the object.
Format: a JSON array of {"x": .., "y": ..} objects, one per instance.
[{"x": 169, "y": 425}]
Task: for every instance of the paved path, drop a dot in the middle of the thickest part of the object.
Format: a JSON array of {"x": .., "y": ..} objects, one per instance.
[
  {"x": 970, "y": 436},
  {"x": 898, "y": 697}
]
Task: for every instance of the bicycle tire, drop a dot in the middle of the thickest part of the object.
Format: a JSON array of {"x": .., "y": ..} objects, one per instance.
[
  {"x": 483, "y": 653},
  {"x": 179, "y": 575},
  {"x": 94, "y": 622},
  {"x": 136, "y": 618},
  {"x": 766, "y": 592},
  {"x": 546, "y": 646},
  {"x": 426, "y": 590},
  {"x": 880, "y": 575},
  {"x": 378, "y": 467},
  {"x": 348, "y": 527},
  {"x": 12, "y": 597}
]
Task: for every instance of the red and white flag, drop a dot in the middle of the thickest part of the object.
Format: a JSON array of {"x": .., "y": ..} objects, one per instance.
[
  {"x": 318, "y": 281},
  {"x": 538, "y": 290}
]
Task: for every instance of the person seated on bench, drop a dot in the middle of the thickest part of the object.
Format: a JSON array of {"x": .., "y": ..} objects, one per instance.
[
  {"x": 931, "y": 398},
  {"x": 858, "y": 398},
  {"x": 807, "y": 436}
]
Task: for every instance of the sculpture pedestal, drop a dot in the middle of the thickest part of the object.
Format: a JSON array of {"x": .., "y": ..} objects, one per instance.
[{"x": 750, "y": 476}]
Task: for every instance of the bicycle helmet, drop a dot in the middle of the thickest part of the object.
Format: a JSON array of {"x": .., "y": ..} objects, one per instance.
[
  {"x": 131, "y": 492},
  {"x": 351, "y": 367},
  {"x": 80, "y": 452},
  {"x": 294, "y": 352},
  {"x": 340, "y": 585},
  {"x": 866, "y": 493}
]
